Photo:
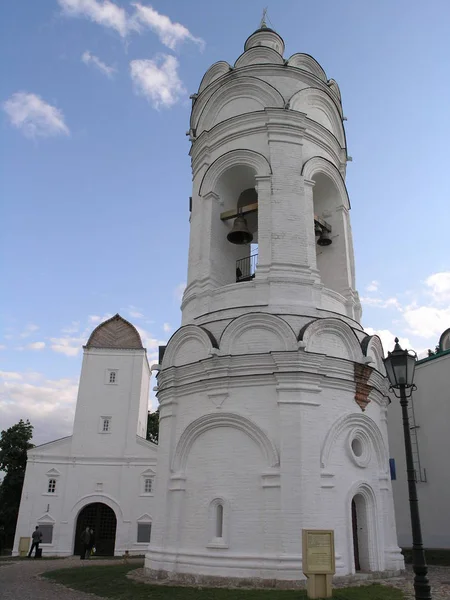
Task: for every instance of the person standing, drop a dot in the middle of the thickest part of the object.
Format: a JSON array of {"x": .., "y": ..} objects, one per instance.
[
  {"x": 91, "y": 543},
  {"x": 85, "y": 538},
  {"x": 36, "y": 540}
]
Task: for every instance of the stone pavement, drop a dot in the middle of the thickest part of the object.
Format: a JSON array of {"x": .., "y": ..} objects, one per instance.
[{"x": 19, "y": 580}]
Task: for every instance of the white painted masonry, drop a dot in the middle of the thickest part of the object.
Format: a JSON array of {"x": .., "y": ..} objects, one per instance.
[
  {"x": 92, "y": 466},
  {"x": 273, "y": 400},
  {"x": 430, "y": 421}
]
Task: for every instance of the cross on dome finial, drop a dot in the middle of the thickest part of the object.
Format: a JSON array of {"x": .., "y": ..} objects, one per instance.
[{"x": 263, "y": 23}]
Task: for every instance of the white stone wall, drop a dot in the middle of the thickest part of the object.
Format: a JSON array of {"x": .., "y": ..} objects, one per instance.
[
  {"x": 92, "y": 466},
  {"x": 432, "y": 414},
  {"x": 259, "y": 388}
]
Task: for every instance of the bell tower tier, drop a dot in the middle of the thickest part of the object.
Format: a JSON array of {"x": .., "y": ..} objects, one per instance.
[
  {"x": 273, "y": 400},
  {"x": 272, "y": 129}
]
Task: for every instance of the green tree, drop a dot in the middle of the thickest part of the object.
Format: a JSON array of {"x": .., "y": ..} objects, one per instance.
[
  {"x": 153, "y": 426},
  {"x": 14, "y": 444}
]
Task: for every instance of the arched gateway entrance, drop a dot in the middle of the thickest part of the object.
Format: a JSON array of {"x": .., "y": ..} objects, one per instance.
[{"x": 102, "y": 520}]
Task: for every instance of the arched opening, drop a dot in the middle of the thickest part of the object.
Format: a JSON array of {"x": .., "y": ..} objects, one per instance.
[
  {"x": 360, "y": 531},
  {"x": 333, "y": 260},
  {"x": 102, "y": 520},
  {"x": 237, "y": 192}
]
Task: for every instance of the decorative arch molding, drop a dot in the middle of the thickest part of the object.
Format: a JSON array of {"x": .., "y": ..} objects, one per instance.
[
  {"x": 312, "y": 336},
  {"x": 307, "y": 63},
  {"x": 268, "y": 333},
  {"x": 355, "y": 422},
  {"x": 46, "y": 518},
  {"x": 145, "y": 518},
  {"x": 334, "y": 88},
  {"x": 239, "y": 157},
  {"x": 93, "y": 498},
  {"x": 195, "y": 429},
  {"x": 259, "y": 55},
  {"x": 214, "y": 72},
  {"x": 316, "y": 165},
  {"x": 189, "y": 344},
  {"x": 363, "y": 488},
  {"x": 373, "y": 348},
  {"x": 319, "y": 107},
  {"x": 444, "y": 340},
  {"x": 261, "y": 94}
]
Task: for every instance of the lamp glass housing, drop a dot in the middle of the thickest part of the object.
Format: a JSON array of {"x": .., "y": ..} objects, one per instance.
[{"x": 400, "y": 366}]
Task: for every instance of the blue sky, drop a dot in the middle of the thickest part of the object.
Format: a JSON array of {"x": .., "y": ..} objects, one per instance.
[{"x": 95, "y": 173}]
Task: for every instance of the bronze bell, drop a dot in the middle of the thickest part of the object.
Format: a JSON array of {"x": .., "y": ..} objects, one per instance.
[
  {"x": 324, "y": 239},
  {"x": 240, "y": 233}
]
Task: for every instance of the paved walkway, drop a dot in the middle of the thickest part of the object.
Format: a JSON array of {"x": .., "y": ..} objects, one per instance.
[{"x": 18, "y": 580}]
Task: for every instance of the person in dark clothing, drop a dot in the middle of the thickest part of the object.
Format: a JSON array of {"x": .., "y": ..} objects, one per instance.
[
  {"x": 91, "y": 543},
  {"x": 85, "y": 538},
  {"x": 36, "y": 540}
]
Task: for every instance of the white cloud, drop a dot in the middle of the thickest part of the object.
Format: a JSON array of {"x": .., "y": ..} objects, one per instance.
[
  {"x": 48, "y": 404},
  {"x": 10, "y": 375},
  {"x": 91, "y": 59},
  {"x": 68, "y": 345},
  {"x": 157, "y": 80},
  {"x": 2, "y": 347},
  {"x": 167, "y": 327},
  {"x": 110, "y": 15},
  {"x": 36, "y": 346},
  {"x": 97, "y": 319},
  {"x": 373, "y": 286},
  {"x": 388, "y": 339},
  {"x": 29, "y": 329},
  {"x": 171, "y": 34},
  {"x": 427, "y": 321},
  {"x": 380, "y": 302},
  {"x": 439, "y": 284},
  {"x": 102, "y": 12},
  {"x": 33, "y": 116},
  {"x": 135, "y": 313},
  {"x": 72, "y": 328},
  {"x": 179, "y": 291}
]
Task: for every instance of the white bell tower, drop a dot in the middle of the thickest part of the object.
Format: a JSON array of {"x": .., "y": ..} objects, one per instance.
[{"x": 272, "y": 398}]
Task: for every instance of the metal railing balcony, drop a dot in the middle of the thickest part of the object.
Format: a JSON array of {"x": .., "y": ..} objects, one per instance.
[{"x": 246, "y": 267}]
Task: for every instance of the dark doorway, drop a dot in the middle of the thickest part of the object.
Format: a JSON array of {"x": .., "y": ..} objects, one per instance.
[
  {"x": 355, "y": 536},
  {"x": 103, "y": 521}
]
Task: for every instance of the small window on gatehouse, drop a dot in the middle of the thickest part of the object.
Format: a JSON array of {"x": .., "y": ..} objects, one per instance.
[
  {"x": 51, "y": 486},
  {"x": 112, "y": 377}
]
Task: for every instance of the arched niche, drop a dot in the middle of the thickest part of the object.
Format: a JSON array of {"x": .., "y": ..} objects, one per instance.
[
  {"x": 189, "y": 344},
  {"x": 237, "y": 97},
  {"x": 373, "y": 348},
  {"x": 332, "y": 337},
  {"x": 214, "y": 72},
  {"x": 259, "y": 55},
  {"x": 207, "y": 422},
  {"x": 352, "y": 423},
  {"x": 319, "y": 107},
  {"x": 307, "y": 63},
  {"x": 230, "y": 183},
  {"x": 257, "y": 333},
  {"x": 331, "y": 203}
]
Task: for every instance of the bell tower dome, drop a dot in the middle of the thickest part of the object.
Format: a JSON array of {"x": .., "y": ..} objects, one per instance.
[
  {"x": 272, "y": 398},
  {"x": 270, "y": 222}
]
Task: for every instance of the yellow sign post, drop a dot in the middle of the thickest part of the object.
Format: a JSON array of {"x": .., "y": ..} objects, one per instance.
[
  {"x": 318, "y": 561},
  {"x": 24, "y": 545}
]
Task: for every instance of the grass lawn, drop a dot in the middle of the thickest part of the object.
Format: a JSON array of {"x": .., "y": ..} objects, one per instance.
[{"x": 111, "y": 582}]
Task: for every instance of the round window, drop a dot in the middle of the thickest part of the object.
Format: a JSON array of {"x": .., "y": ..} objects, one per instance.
[{"x": 357, "y": 447}]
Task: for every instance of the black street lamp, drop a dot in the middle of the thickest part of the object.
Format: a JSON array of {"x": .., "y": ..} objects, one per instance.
[{"x": 400, "y": 366}]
